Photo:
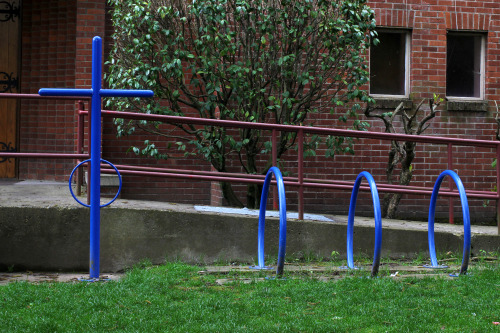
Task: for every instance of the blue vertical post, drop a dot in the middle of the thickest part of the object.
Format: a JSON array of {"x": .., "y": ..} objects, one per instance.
[
  {"x": 95, "y": 153},
  {"x": 95, "y": 162}
]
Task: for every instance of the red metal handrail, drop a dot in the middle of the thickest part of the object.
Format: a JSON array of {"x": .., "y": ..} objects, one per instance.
[
  {"x": 295, "y": 128},
  {"x": 299, "y": 181},
  {"x": 36, "y": 96},
  {"x": 345, "y": 133},
  {"x": 314, "y": 183}
]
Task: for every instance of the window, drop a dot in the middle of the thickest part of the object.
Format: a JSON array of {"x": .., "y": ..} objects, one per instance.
[
  {"x": 465, "y": 65},
  {"x": 389, "y": 62}
]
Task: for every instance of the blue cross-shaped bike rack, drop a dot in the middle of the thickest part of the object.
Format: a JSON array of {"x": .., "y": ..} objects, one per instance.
[{"x": 95, "y": 147}]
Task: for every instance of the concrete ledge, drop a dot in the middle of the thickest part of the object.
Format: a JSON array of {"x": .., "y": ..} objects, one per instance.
[
  {"x": 57, "y": 238},
  {"x": 111, "y": 180},
  {"x": 476, "y": 106}
]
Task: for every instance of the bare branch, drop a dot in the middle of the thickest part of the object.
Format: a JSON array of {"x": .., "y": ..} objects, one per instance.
[{"x": 433, "y": 110}]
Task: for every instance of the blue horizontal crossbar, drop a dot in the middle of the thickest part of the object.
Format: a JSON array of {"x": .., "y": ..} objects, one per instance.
[
  {"x": 88, "y": 92},
  {"x": 65, "y": 92},
  {"x": 125, "y": 93}
]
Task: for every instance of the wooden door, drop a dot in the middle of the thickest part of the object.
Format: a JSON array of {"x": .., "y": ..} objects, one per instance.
[{"x": 9, "y": 82}]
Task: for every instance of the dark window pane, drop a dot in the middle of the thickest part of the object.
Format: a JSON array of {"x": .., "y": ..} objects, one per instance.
[
  {"x": 463, "y": 65},
  {"x": 387, "y": 64}
]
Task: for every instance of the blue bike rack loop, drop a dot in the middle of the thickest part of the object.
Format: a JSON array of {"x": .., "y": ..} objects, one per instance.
[
  {"x": 466, "y": 217},
  {"x": 262, "y": 220},
  {"x": 112, "y": 200},
  {"x": 378, "y": 221}
]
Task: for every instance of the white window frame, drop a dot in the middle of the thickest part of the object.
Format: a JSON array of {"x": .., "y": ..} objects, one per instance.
[
  {"x": 482, "y": 64},
  {"x": 407, "y": 65}
]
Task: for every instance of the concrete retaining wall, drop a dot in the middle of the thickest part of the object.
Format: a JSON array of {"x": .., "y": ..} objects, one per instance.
[{"x": 57, "y": 239}]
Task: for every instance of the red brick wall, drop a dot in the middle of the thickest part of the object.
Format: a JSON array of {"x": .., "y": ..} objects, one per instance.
[
  {"x": 66, "y": 63},
  {"x": 429, "y": 23},
  {"x": 90, "y": 22},
  {"x": 47, "y": 61},
  {"x": 56, "y": 53}
]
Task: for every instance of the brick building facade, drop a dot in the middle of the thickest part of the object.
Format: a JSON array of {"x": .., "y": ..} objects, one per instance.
[{"x": 430, "y": 42}]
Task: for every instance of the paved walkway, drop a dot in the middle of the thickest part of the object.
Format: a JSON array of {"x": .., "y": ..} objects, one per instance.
[
  {"x": 322, "y": 272},
  {"x": 243, "y": 273}
]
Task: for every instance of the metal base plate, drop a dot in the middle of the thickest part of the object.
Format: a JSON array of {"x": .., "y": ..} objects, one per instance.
[
  {"x": 262, "y": 267},
  {"x": 94, "y": 280},
  {"x": 435, "y": 267},
  {"x": 347, "y": 267}
]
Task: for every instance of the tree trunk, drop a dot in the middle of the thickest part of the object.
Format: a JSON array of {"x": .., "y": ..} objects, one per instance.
[
  {"x": 253, "y": 196},
  {"x": 253, "y": 190},
  {"x": 394, "y": 157},
  {"x": 230, "y": 196},
  {"x": 404, "y": 179},
  {"x": 392, "y": 205},
  {"x": 393, "y": 202}
]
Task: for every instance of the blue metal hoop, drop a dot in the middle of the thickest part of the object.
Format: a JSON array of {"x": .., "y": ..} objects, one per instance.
[
  {"x": 262, "y": 220},
  {"x": 378, "y": 221},
  {"x": 117, "y": 193},
  {"x": 466, "y": 217}
]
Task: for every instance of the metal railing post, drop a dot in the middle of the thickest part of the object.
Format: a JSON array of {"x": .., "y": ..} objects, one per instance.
[
  {"x": 79, "y": 146},
  {"x": 450, "y": 184},
  {"x": 498, "y": 187},
  {"x": 274, "y": 151},
  {"x": 301, "y": 172},
  {"x": 89, "y": 119}
]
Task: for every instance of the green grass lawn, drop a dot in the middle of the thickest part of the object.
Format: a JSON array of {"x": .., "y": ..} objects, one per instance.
[{"x": 175, "y": 298}]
